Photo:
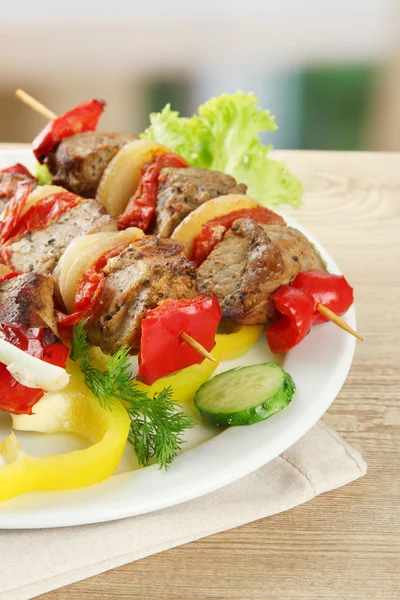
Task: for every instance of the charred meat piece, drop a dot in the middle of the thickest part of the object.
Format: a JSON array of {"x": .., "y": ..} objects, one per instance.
[
  {"x": 79, "y": 161},
  {"x": 250, "y": 263},
  {"x": 148, "y": 271},
  {"x": 180, "y": 191},
  {"x": 8, "y": 186},
  {"x": 27, "y": 300},
  {"x": 41, "y": 250}
]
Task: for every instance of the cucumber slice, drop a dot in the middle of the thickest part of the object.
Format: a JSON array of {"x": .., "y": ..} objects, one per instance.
[{"x": 245, "y": 395}]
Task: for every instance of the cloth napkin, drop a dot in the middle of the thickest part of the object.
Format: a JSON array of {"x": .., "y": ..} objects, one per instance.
[{"x": 52, "y": 558}]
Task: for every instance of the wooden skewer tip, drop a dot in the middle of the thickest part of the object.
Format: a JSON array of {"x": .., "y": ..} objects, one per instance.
[
  {"x": 196, "y": 346},
  {"x": 329, "y": 314},
  {"x": 35, "y": 105}
]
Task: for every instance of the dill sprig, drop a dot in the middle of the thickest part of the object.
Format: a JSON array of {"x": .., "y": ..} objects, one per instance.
[{"x": 157, "y": 424}]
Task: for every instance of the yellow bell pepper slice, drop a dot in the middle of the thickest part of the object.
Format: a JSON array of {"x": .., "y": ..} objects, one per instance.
[
  {"x": 228, "y": 346},
  {"x": 236, "y": 344},
  {"x": 76, "y": 410},
  {"x": 184, "y": 383}
]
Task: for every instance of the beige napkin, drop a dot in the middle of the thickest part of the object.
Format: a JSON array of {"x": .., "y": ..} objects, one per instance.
[{"x": 35, "y": 562}]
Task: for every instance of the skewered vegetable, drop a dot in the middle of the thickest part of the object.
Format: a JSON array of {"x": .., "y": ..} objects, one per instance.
[
  {"x": 74, "y": 410},
  {"x": 123, "y": 173},
  {"x": 83, "y": 117},
  {"x": 162, "y": 350}
]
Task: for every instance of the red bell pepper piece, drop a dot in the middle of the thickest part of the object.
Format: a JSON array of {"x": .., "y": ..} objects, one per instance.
[
  {"x": 297, "y": 312},
  {"x": 83, "y": 117},
  {"x": 15, "y": 397},
  {"x": 213, "y": 231},
  {"x": 162, "y": 350},
  {"x": 298, "y": 305},
  {"x": 333, "y": 291},
  {"x": 18, "y": 169},
  {"x": 142, "y": 206},
  {"x": 13, "y": 210}
]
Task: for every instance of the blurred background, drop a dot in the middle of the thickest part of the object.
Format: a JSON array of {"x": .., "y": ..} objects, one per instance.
[{"x": 329, "y": 70}]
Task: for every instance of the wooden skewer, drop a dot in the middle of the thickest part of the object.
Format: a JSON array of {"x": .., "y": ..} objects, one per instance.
[
  {"x": 35, "y": 105},
  {"x": 329, "y": 314},
  {"x": 196, "y": 346},
  {"x": 49, "y": 114}
]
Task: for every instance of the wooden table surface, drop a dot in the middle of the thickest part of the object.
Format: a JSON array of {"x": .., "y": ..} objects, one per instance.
[{"x": 344, "y": 544}]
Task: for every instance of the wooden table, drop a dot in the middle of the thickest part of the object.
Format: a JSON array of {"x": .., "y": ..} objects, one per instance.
[{"x": 344, "y": 544}]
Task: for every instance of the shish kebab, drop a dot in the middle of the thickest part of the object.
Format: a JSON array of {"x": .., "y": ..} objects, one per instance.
[
  {"x": 39, "y": 225},
  {"x": 24, "y": 247},
  {"x": 316, "y": 263},
  {"x": 132, "y": 179},
  {"x": 115, "y": 279}
]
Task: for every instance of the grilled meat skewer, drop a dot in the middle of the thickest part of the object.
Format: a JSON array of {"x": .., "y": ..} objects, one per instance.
[
  {"x": 144, "y": 274},
  {"x": 79, "y": 161},
  {"x": 40, "y": 249},
  {"x": 77, "y": 164},
  {"x": 27, "y": 300},
  {"x": 251, "y": 262},
  {"x": 180, "y": 191}
]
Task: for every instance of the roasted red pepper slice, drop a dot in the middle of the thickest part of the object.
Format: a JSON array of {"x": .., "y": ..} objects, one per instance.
[
  {"x": 14, "y": 209},
  {"x": 83, "y": 117},
  {"x": 298, "y": 305},
  {"x": 213, "y": 231},
  {"x": 15, "y": 397},
  {"x": 162, "y": 349},
  {"x": 333, "y": 291},
  {"x": 18, "y": 169},
  {"x": 88, "y": 290},
  {"x": 142, "y": 206},
  {"x": 36, "y": 217}
]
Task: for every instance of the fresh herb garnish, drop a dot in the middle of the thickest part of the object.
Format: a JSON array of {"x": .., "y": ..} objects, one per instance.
[
  {"x": 157, "y": 423},
  {"x": 225, "y": 136}
]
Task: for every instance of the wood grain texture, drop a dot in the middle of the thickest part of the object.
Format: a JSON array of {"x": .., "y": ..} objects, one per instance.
[{"x": 344, "y": 544}]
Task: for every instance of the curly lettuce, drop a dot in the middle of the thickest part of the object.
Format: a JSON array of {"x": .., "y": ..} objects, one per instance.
[{"x": 224, "y": 136}]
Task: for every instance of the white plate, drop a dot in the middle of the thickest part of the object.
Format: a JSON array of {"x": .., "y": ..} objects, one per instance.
[{"x": 212, "y": 458}]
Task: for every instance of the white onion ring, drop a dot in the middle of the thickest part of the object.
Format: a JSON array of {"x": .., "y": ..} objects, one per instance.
[
  {"x": 123, "y": 173},
  {"x": 188, "y": 230},
  {"x": 82, "y": 253}
]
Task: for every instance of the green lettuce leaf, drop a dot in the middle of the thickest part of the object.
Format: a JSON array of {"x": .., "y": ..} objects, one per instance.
[
  {"x": 225, "y": 136},
  {"x": 42, "y": 174}
]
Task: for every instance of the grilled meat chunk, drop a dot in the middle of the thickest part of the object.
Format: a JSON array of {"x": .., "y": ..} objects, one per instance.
[
  {"x": 8, "y": 186},
  {"x": 182, "y": 190},
  {"x": 250, "y": 263},
  {"x": 41, "y": 250},
  {"x": 27, "y": 299},
  {"x": 79, "y": 161},
  {"x": 148, "y": 271}
]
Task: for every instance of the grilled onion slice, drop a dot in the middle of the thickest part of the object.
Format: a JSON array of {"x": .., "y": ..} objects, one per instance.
[
  {"x": 41, "y": 192},
  {"x": 73, "y": 251},
  {"x": 122, "y": 175},
  {"x": 191, "y": 226},
  {"x": 82, "y": 253}
]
